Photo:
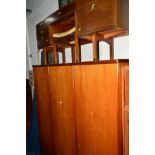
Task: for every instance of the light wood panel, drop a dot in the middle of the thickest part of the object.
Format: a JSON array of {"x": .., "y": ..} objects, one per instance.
[
  {"x": 126, "y": 81},
  {"x": 126, "y": 132},
  {"x": 62, "y": 106},
  {"x": 125, "y": 108},
  {"x": 43, "y": 110},
  {"x": 83, "y": 109},
  {"x": 96, "y": 95}
]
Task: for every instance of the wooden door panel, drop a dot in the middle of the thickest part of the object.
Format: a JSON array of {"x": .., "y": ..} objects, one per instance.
[
  {"x": 126, "y": 83},
  {"x": 43, "y": 110},
  {"x": 62, "y": 105},
  {"x": 126, "y": 133},
  {"x": 96, "y": 96},
  {"x": 125, "y": 109}
]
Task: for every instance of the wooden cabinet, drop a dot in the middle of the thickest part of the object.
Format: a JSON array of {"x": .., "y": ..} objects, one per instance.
[
  {"x": 101, "y": 15},
  {"x": 82, "y": 105},
  {"x": 43, "y": 110}
]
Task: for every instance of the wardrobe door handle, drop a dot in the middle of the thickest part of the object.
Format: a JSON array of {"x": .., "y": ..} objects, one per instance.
[{"x": 92, "y": 7}]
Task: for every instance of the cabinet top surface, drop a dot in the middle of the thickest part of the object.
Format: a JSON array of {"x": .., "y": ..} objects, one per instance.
[{"x": 116, "y": 61}]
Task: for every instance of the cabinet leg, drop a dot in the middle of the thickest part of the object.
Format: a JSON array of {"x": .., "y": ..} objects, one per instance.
[
  {"x": 78, "y": 52},
  {"x": 73, "y": 54},
  {"x": 55, "y": 53},
  {"x": 95, "y": 48},
  {"x": 45, "y": 58}
]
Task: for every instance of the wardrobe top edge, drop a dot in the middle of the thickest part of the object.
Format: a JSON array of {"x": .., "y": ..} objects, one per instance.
[{"x": 87, "y": 63}]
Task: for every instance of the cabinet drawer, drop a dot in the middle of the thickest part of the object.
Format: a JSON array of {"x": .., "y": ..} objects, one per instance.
[{"x": 96, "y": 16}]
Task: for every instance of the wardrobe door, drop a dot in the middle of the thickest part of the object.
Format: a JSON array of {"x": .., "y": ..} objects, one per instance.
[
  {"x": 62, "y": 106},
  {"x": 96, "y": 95},
  {"x": 43, "y": 110}
]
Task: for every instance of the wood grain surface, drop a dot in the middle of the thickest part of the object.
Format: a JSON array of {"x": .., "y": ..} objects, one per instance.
[
  {"x": 96, "y": 95},
  {"x": 62, "y": 106},
  {"x": 43, "y": 110}
]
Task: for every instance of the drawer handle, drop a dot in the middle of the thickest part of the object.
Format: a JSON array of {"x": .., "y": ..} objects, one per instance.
[{"x": 93, "y": 7}]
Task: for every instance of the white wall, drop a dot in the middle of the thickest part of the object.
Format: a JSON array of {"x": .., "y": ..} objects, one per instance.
[
  {"x": 86, "y": 53},
  {"x": 121, "y": 50},
  {"x": 68, "y": 55},
  {"x": 121, "y": 47},
  {"x": 104, "y": 51},
  {"x": 40, "y": 10}
]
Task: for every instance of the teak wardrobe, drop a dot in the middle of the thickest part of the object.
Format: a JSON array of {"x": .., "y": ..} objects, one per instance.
[{"x": 80, "y": 107}]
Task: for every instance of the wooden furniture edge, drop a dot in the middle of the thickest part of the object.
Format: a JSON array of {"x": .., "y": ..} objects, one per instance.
[{"x": 87, "y": 63}]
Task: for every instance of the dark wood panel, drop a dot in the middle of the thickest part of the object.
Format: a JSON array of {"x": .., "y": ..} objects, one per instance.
[
  {"x": 96, "y": 16},
  {"x": 123, "y": 14},
  {"x": 98, "y": 125},
  {"x": 42, "y": 33},
  {"x": 43, "y": 110},
  {"x": 62, "y": 105},
  {"x": 80, "y": 3}
]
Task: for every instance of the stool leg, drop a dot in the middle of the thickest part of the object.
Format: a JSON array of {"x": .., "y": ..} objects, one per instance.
[
  {"x": 55, "y": 53},
  {"x": 44, "y": 53},
  {"x": 78, "y": 52},
  {"x": 95, "y": 48},
  {"x": 73, "y": 54}
]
